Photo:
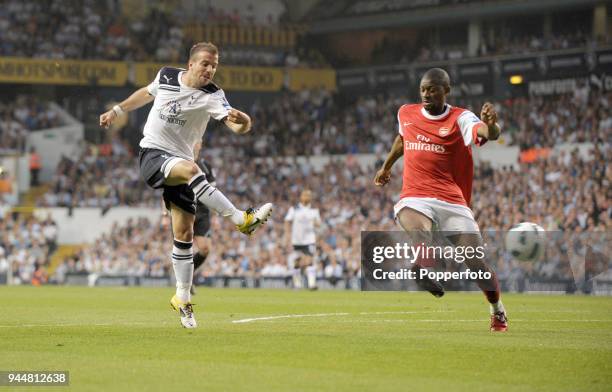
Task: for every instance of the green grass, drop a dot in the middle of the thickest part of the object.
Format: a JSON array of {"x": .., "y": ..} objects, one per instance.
[{"x": 113, "y": 339}]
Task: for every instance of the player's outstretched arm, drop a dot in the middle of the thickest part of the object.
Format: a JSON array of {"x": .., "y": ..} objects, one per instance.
[
  {"x": 238, "y": 121},
  {"x": 383, "y": 176},
  {"x": 489, "y": 117},
  {"x": 137, "y": 100}
]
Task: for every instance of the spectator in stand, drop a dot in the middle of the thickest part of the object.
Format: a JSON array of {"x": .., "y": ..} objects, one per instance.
[
  {"x": 21, "y": 115},
  {"x": 35, "y": 166}
]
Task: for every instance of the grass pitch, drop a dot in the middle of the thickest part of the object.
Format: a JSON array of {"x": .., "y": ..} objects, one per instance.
[{"x": 128, "y": 339}]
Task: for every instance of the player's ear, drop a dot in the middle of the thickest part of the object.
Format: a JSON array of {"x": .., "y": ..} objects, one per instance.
[{"x": 446, "y": 90}]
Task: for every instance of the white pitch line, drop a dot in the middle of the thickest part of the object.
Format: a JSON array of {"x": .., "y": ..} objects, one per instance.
[
  {"x": 289, "y": 316},
  {"x": 286, "y": 316},
  {"x": 409, "y": 312}
]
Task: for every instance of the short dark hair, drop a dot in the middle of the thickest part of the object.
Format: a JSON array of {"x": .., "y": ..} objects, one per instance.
[
  {"x": 438, "y": 75},
  {"x": 203, "y": 47}
]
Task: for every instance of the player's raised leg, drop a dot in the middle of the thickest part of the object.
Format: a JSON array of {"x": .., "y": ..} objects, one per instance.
[
  {"x": 180, "y": 171},
  {"x": 490, "y": 287},
  {"x": 182, "y": 262},
  {"x": 419, "y": 227}
]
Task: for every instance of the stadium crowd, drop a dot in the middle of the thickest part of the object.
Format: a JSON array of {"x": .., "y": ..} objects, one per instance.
[
  {"x": 99, "y": 178},
  {"x": 314, "y": 123},
  {"x": 504, "y": 45},
  {"x": 582, "y": 116},
  {"x": 156, "y": 32},
  {"x": 21, "y": 115},
  {"x": 91, "y": 30},
  {"x": 565, "y": 193},
  {"x": 26, "y": 243}
]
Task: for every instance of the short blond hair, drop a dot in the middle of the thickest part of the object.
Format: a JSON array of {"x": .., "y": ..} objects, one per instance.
[{"x": 203, "y": 47}]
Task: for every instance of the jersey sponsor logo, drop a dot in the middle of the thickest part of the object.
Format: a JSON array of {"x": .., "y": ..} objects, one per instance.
[
  {"x": 174, "y": 108},
  {"x": 444, "y": 131},
  {"x": 170, "y": 111},
  {"x": 167, "y": 78},
  {"x": 424, "y": 143}
]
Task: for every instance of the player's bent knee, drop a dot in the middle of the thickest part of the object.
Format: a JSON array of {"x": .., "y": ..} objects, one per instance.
[
  {"x": 182, "y": 229},
  {"x": 183, "y": 234},
  {"x": 182, "y": 171}
]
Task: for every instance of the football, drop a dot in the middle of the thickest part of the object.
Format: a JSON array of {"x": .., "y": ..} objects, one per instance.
[{"x": 526, "y": 241}]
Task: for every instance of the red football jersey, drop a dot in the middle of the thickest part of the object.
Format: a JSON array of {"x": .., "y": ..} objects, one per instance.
[{"x": 437, "y": 153}]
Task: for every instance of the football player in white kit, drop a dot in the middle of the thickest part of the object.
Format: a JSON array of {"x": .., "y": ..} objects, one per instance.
[
  {"x": 183, "y": 102},
  {"x": 301, "y": 223}
]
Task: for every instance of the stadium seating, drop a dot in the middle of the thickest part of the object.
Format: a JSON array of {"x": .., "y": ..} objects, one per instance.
[
  {"x": 18, "y": 117},
  {"x": 26, "y": 244}
]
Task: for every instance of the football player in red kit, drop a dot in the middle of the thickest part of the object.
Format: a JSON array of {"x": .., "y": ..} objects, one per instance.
[{"x": 435, "y": 139}]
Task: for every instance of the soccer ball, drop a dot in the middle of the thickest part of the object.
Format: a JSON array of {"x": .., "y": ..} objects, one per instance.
[{"x": 526, "y": 241}]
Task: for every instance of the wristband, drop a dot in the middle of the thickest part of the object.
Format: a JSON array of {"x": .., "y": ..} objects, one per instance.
[{"x": 117, "y": 109}]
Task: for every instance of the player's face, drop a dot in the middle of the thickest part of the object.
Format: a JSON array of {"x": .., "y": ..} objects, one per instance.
[
  {"x": 203, "y": 66},
  {"x": 433, "y": 95},
  {"x": 306, "y": 197}
]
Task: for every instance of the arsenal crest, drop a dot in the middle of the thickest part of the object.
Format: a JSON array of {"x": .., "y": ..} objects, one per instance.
[{"x": 444, "y": 131}]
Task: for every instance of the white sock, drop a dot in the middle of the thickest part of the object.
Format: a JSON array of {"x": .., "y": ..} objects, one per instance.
[
  {"x": 311, "y": 275},
  {"x": 214, "y": 199},
  {"x": 182, "y": 261},
  {"x": 297, "y": 279},
  {"x": 497, "y": 307}
]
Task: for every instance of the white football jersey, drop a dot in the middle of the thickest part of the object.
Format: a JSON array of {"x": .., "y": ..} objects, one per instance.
[
  {"x": 303, "y": 218},
  {"x": 179, "y": 115}
]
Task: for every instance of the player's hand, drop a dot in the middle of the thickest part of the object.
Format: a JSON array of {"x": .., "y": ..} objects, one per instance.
[
  {"x": 488, "y": 114},
  {"x": 238, "y": 117},
  {"x": 382, "y": 177},
  {"x": 106, "y": 119}
]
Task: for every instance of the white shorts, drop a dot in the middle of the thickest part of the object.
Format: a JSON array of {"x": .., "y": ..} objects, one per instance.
[{"x": 446, "y": 216}]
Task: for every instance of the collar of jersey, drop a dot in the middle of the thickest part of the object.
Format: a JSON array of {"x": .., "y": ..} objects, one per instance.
[
  {"x": 439, "y": 116},
  {"x": 207, "y": 89}
]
